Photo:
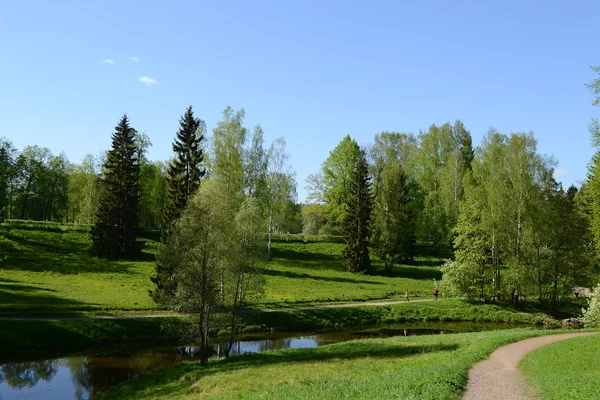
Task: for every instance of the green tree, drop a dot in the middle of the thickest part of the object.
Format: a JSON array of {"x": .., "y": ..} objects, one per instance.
[
  {"x": 84, "y": 190},
  {"x": 280, "y": 183},
  {"x": 332, "y": 184},
  {"x": 7, "y": 176},
  {"x": 186, "y": 169},
  {"x": 591, "y": 315},
  {"x": 593, "y": 179},
  {"x": 115, "y": 231},
  {"x": 227, "y": 161},
  {"x": 359, "y": 203},
  {"x": 393, "y": 227}
]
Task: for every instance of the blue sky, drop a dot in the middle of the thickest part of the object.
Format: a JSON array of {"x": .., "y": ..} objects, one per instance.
[{"x": 310, "y": 71}]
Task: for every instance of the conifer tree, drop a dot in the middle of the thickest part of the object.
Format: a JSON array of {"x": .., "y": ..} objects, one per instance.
[
  {"x": 185, "y": 171},
  {"x": 183, "y": 180},
  {"x": 358, "y": 213},
  {"x": 114, "y": 234}
]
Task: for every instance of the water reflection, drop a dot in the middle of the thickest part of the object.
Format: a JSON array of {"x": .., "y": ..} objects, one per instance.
[{"x": 82, "y": 376}]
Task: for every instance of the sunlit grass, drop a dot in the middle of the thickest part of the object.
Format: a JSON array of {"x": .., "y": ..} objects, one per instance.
[{"x": 568, "y": 369}]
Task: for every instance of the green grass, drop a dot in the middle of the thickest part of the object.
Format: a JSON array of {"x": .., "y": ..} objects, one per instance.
[
  {"x": 47, "y": 269},
  {"x": 424, "y": 367},
  {"x": 304, "y": 273},
  {"x": 569, "y": 369}
]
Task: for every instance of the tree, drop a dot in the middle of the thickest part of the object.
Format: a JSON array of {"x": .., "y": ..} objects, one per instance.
[
  {"x": 279, "y": 179},
  {"x": 84, "y": 190},
  {"x": 185, "y": 171},
  {"x": 227, "y": 161},
  {"x": 359, "y": 203},
  {"x": 7, "y": 176},
  {"x": 393, "y": 228},
  {"x": 243, "y": 259},
  {"x": 255, "y": 166},
  {"x": 114, "y": 234},
  {"x": 196, "y": 249},
  {"x": 207, "y": 243},
  {"x": 332, "y": 184},
  {"x": 593, "y": 179}
]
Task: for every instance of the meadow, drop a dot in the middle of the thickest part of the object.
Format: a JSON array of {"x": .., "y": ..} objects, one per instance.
[
  {"x": 569, "y": 369},
  {"x": 47, "y": 269}
]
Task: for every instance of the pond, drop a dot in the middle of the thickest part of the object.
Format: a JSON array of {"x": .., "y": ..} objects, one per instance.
[{"x": 61, "y": 375}]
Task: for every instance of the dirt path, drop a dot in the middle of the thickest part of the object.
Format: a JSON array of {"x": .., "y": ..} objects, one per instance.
[
  {"x": 498, "y": 376},
  {"x": 132, "y": 316}
]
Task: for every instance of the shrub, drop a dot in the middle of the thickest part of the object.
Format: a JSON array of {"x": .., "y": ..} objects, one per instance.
[{"x": 591, "y": 315}]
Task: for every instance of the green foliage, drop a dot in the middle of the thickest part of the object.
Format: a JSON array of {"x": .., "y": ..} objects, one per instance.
[
  {"x": 567, "y": 369},
  {"x": 115, "y": 232},
  {"x": 591, "y": 315},
  {"x": 185, "y": 170},
  {"x": 461, "y": 280},
  {"x": 313, "y": 217},
  {"x": 84, "y": 191},
  {"x": 359, "y": 203},
  {"x": 393, "y": 226},
  {"x": 332, "y": 185}
]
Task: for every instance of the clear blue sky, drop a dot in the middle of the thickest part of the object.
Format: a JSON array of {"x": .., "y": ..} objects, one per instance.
[{"x": 310, "y": 71}]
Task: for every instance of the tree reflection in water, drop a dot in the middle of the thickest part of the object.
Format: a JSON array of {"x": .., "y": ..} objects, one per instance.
[{"x": 27, "y": 374}]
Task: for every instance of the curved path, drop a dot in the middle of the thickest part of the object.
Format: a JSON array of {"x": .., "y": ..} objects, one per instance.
[
  {"x": 498, "y": 376},
  {"x": 155, "y": 315}
]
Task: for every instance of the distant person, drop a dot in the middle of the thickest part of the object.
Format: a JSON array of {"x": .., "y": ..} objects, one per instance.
[
  {"x": 405, "y": 332},
  {"x": 577, "y": 293},
  {"x": 435, "y": 293},
  {"x": 406, "y": 296}
]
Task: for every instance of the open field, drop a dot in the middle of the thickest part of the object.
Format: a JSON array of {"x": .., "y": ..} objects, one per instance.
[
  {"x": 565, "y": 370},
  {"x": 422, "y": 367},
  {"x": 47, "y": 269}
]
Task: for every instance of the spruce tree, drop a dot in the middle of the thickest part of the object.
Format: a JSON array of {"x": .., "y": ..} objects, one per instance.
[
  {"x": 115, "y": 232},
  {"x": 185, "y": 171},
  {"x": 359, "y": 203},
  {"x": 183, "y": 180}
]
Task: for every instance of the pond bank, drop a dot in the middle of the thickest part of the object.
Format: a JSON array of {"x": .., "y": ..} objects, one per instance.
[
  {"x": 18, "y": 336},
  {"x": 39, "y": 374}
]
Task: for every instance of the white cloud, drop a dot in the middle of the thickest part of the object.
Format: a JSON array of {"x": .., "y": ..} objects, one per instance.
[
  {"x": 560, "y": 172},
  {"x": 147, "y": 81},
  {"x": 134, "y": 59},
  {"x": 108, "y": 61}
]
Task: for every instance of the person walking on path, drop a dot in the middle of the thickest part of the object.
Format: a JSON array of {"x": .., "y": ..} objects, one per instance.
[
  {"x": 406, "y": 296},
  {"x": 435, "y": 293}
]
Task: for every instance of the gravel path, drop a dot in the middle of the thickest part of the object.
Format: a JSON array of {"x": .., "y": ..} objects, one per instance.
[
  {"x": 364, "y": 304},
  {"x": 498, "y": 376}
]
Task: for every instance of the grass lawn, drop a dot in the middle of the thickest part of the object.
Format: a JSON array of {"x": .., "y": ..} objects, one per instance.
[
  {"x": 421, "y": 367},
  {"x": 569, "y": 369},
  {"x": 47, "y": 269}
]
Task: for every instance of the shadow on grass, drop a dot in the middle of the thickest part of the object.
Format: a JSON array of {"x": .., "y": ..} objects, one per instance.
[
  {"x": 293, "y": 275},
  {"x": 412, "y": 272},
  {"x": 186, "y": 374},
  {"x": 21, "y": 297},
  {"x": 65, "y": 252},
  {"x": 306, "y": 256}
]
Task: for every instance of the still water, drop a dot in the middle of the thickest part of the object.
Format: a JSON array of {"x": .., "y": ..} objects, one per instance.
[{"x": 62, "y": 375}]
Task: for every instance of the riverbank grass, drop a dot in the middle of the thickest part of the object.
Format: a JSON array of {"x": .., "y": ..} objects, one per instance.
[
  {"x": 568, "y": 369},
  {"x": 420, "y": 367}
]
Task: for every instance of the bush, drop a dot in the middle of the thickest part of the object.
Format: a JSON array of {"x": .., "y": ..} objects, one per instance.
[
  {"x": 459, "y": 280},
  {"x": 591, "y": 316}
]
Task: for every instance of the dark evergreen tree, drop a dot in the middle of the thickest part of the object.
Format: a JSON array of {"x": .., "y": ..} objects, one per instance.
[
  {"x": 114, "y": 234},
  {"x": 183, "y": 180},
  {"x": 359, "y": 204},
  {"x": 185, "y": 171}
]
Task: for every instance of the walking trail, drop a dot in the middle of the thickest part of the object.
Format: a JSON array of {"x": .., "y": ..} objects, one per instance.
[
  {"x": 155, "y": 315},
  {"x": 498, "y": 378}
]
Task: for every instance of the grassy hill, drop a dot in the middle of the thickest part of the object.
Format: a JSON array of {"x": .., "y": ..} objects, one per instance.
[{"x": 46, "y": 268}]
